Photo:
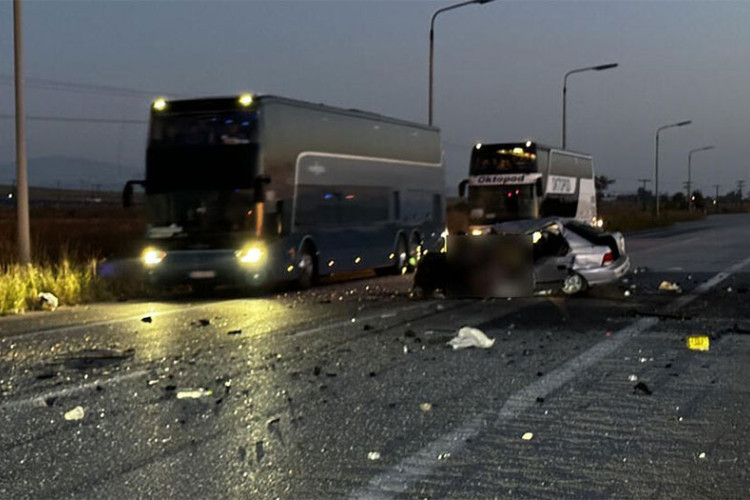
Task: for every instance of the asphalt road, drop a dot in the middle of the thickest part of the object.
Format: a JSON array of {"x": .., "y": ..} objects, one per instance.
[{"x": 349, "y": 391}]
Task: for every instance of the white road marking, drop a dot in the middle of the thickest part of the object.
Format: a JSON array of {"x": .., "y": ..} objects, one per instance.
[
  {"x": 38, "y": 399},
  {"x": 400, "y": 478}
]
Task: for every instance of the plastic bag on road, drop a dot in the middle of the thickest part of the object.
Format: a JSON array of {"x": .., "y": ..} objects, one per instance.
[
  {"x": 48, "y": 301},
  {"x": 471, "y": 337}
]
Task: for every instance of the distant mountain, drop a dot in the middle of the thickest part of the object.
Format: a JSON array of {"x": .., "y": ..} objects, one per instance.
[{"x": 73, "y": 173}]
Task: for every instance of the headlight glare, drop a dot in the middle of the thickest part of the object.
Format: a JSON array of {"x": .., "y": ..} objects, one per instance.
[
  {"x": 251, "y": 254},
  {"x": 152, "y": 256}
]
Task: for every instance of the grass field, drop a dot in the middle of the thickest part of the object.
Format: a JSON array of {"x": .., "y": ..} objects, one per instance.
[{"x": 67, "y": 246}]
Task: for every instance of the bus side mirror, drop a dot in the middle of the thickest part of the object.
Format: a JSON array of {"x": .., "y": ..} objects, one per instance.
[
  {"x": 127, "y": 193},
  {"x": 462, "y": 188}
]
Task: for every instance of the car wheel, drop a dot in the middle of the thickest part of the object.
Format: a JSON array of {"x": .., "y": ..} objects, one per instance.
[
  {"x": 574, "y": 284},
  {"x": 306, "y": 269}
]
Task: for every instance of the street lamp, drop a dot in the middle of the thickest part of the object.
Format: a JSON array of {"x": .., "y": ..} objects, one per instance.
[
  {"x": 432, "y": 44},
  {"x": 690, "y": 158},
  {"x": 601, "y": 67},
  {"x": 656, "y": 160}
]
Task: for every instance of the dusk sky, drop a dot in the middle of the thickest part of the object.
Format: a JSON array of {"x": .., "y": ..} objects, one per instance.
[{"x": 498, "y": 73}]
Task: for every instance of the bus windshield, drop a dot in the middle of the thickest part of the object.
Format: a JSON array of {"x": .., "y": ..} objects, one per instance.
[
  {"x": 193, "y": 151},
  {"x": 492, "y": 204},
  {"x": 204, "y": 211},
  {"x": 503, "y": 160},
  {"x": 220, "y": 128}
]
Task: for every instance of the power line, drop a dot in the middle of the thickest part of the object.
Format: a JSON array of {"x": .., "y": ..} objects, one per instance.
[
  {"x": 88, "y": 88},
  {"x": 75, "y": 119}
]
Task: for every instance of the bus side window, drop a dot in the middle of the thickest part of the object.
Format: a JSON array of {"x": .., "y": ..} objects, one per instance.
[{"x": 397, "y": 205}]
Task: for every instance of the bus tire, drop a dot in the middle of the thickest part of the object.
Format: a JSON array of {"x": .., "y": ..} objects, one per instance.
[
  {"x": 401, "y": 257},
  {"x": 307, "y": 268},
  {"x": 415, "y": 252}
]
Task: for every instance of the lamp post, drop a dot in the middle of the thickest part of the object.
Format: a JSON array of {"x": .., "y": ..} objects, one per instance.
[
  {"x": 689, "y": 183},
  {"x": 432, "y": 45},
  {"x": 22, "y": 190},
  {"x": 656, "y": 159},
  {"x": 601, "y": 67}
]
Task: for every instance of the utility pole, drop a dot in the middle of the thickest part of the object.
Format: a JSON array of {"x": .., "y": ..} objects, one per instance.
[
  {"x": 740, "y": 186},
  {"x": 22, "y": 191},
  {"x": 716, "y": 196},
  {"x": 643, "y": 187}
]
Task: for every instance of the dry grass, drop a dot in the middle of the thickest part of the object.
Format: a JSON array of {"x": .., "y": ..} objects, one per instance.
[
  {"x": 628, "y": 219},
  {"x": 20, "y": 285},
  {"x": 66, "y": 246}
]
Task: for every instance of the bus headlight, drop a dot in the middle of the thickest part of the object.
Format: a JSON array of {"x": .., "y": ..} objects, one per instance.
[
  {"x": 152, "y": 256},
  {"x": 252, "y": 253}
]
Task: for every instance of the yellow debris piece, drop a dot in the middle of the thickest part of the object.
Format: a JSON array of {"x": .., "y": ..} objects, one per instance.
[{"x": 698, "y": 342}]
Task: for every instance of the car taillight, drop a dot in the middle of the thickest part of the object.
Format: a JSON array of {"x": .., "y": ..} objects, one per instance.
[{"x": 608, "y": 258}]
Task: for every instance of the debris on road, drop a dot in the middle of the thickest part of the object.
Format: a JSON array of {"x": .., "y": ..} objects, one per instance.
[
  {"x": 444, "y": 456},
  {"x": 702, "y": 455},
  {"x": 193, "y": 393},
  {"x": 201, "y": 322},
  {"x": 234, "y": 332},
  {"x": 527, "y": 436},
  {"x": 698, "y": 342},
  {"x": 425, "y": 407},
  {"x": 471, "y": 337},
  {"x": 367, "y": 328},
  {"x": 633, "y": 377},
  {"x": 627, "y": 293},
  {"x": 95, "y": 358},
  {"x": 641, "y": 388},
  {"x": 146, "y": 319},
  {"x": 48, "y": 301},
  {"x": 373, "y": 455},
  {"x": 667, "y": 286},
  {"x": 76, "y": 413}
]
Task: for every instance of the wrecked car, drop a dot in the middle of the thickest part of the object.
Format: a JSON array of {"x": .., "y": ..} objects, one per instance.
[
  {"x": 558, "y": 255},
  {"x": 599, "y": 257}
]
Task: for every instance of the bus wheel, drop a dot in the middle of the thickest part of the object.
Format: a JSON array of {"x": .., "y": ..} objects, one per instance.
[
  {"x": 402, "y": 257},
  {"x": 574, "y": 284},
  {"x": 415, "y": 253},
  {"x": 306, "y": 271}
]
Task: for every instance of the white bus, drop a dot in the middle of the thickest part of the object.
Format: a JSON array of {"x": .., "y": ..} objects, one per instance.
[{"x": 511, "y": 181}]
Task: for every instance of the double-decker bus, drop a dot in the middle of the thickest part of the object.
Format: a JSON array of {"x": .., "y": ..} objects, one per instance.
[
  {"x": 510, "y": 181},
  {"x": 252, "y": 189}
]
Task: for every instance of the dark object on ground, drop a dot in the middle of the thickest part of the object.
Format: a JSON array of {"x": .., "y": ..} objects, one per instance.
[
  {"x": 147, "y": 319},
  {"x": 432, "y": 273},
  {"x": 202, "y": 322},
  {"x": 641, "y": 388},
  {"x": 234, "y": 332},
  {"x": 663, "y": 316}
]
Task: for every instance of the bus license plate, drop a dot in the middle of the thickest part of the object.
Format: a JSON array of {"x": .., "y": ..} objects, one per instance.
[{"x": 202, "y": 275}]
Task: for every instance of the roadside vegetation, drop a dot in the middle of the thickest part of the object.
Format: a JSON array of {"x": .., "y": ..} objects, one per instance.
[
  {"x": 69, "y": 247},
  {"x": 629, "y": 219}
]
